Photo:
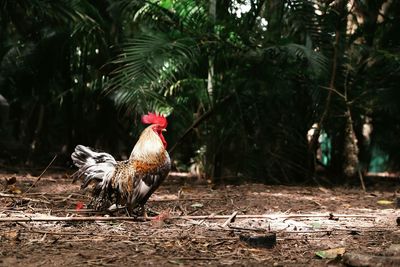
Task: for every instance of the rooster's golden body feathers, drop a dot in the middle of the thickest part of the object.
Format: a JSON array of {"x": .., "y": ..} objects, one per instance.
[{"x": 127, "y": 183}]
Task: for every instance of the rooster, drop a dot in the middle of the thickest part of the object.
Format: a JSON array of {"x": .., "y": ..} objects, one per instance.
[{"x": 127, "y": 183}]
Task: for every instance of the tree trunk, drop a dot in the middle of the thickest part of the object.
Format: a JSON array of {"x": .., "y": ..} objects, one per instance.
[
  {"x": 350, "y": 164},
  {"x": 213, "y": 144},
  {"x": 273, "y": 14},
  {"x": 210, "y": 78}
]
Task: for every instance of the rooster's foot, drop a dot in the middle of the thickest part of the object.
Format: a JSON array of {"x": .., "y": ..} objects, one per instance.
[
  {"x": 146, "y": 212},
  {"x": 152, "y": 212}
]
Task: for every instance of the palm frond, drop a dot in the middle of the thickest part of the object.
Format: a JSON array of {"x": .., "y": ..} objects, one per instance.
[
  {"x": 317, "y": 62},
  {"x": 148, "y": 65}
]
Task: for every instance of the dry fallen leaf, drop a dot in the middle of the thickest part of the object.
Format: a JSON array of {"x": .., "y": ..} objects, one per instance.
[
  {"x": 324, "y": 190},
  {"x": 330, "y": 253},
  {"x": 14, "y": 190},
  {"x": 384, "y": 202},
  {"x": 196, "y": 205},
  {"x": 11, "y": 236}
]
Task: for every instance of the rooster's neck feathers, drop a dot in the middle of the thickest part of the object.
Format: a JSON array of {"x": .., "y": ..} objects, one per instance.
[{"x": 149, "y": 147}]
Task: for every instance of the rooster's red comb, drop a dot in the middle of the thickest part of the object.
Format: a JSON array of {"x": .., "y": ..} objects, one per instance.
[{"x": 154, "y": 118}]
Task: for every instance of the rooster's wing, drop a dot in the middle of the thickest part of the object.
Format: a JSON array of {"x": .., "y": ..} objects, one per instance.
[{"x": 135, "y": 181}]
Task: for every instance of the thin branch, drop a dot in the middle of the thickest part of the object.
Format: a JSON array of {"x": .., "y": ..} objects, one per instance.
[
  {"x": 23, "y": 198},
  {"x": 185, "y": 199},
  {"x": 198, "y": 217},
  {"x": 57, "y": 210},
  {"x": 272, "y": 217},
  {"x": 230, "y": 219},
  {"x": 362, "y": 180},
  {"x": 72, "y": 219},
  {"x": 28, "y": 229},
  {"x": 335, "y": 91},
  {"x": 197, "y": 122},
  {"x": 212, "y": 215},
  {"x": 195, "y": 258},
  {"x": 247, "y": 229},
  {"x": 40, "y": 176}
]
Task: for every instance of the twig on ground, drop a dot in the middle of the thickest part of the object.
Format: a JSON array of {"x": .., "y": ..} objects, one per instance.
[
  {"x": 72, "y": 219},
  {"x": 185, "y": 199},
  {"x": 195, "y": 258},
  {"x": 330, "y": 216},
  {"x": 230, "y": 219},
  {"x": 75, "y": 234},
  {"x": 353, "y": 230},
  {"x": 265, "y": 216},
  {"x": 247, "y": 229},
  {"x": 34, "y": 210},
  {"x": 208, "y": 217},
  {"x": 24, "y": 198},
  {"x": 203, "y": 218},
  {"x": 55, "y": 194},
  {"x": 40, "y": 176}
]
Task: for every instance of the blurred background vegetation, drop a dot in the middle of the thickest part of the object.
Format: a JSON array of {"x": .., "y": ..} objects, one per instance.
[{"x": 270, "y": 90}]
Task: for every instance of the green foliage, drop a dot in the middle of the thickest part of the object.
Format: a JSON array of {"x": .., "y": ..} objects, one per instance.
[
  {"x": 49, "y": 70},
  {"x": 150, "y": 64},
  {"x": 168, "y": 66}
]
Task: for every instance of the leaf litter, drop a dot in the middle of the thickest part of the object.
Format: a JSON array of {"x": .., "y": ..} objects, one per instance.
[{"x": 196, "y": 225}]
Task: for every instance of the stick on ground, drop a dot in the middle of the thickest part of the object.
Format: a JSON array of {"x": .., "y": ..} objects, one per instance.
[
  {"x": 230, "y": 219},
  {"x": 71, "y": 219},
  {"x": 40, "y": 176},
  {"x": 207, "y": 217}
]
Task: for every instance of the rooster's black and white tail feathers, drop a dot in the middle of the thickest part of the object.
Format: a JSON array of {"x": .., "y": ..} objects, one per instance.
[{"x": 98, "y": 166}]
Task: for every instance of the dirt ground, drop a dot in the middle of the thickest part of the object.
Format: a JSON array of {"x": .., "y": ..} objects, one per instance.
[{"x": 305, "y": 220}]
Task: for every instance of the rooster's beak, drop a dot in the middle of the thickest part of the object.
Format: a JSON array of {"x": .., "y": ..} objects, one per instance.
[{"x": 164, "y": 130}]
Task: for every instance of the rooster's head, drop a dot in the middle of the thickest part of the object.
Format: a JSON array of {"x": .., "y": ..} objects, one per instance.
[{"x": 158, "y": 124}]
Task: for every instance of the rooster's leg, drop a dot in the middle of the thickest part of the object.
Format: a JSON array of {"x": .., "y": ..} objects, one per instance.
[
  {"x": 128, "y": 212},
  {"x": 144, "y": 211}
]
